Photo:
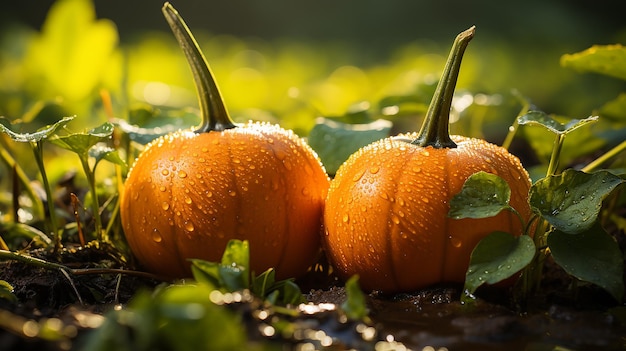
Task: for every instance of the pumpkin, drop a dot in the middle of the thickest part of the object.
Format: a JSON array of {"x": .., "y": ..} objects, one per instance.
[
  {"x": 386, "y": 210},
  {"x": 190, "y": 192}
]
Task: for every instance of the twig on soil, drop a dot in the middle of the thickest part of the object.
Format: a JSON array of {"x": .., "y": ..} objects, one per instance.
[{"x": 10, "y": 255}]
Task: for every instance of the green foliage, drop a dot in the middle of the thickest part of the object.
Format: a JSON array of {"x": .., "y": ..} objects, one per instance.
[
  {"x": 591, "y": 256},
  {"x": 604, "y": 59},
  {"x": 335, "y": 141},
  {"x": 233, "y": 274},
  {"x": 177, "y": 317},
  {"x": 470, "y": 202},
  {"x": 6, "y": 292},
  {"x": 497, "y": 257},
  {"x": 355, "y": 306},
  {"x": 572, "y": 200}
]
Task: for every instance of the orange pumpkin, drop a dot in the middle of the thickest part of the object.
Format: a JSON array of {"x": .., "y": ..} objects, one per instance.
[
  {"x": 190, "y": 192},
  {"x": 386, "y": 210}
]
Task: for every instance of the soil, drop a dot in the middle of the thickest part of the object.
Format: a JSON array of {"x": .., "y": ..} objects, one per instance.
[{"x": 560, "y": 318}]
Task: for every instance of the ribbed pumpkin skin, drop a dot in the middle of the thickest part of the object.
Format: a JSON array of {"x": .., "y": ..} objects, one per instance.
[
  {"x": 386, "y": 212},
  {"x": 189, "y": 193}
]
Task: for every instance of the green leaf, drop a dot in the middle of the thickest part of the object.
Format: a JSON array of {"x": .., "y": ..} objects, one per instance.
[
  {"x": 235, "y": 267},
  {"x": 548, "y": 122},
  {"x": 102, "y": 152},
  {"x": 262, "y": 284},
  {"x": 615, "y": 109},
  {"x": 483, "y": 195},
  {"x": 206, "y": 272},
  {"x": 592, "y": 256},
  {"x": 6, "y": 292},
  {"x": 39, "y": 135},
  {"x": 497, "y": 257},
  {"x": 81, "y": 143},
  {"x": 609, "y": 60},
  {"x": 70, "y": 56},
  {"x": 355, "y": 305},
  {"x": 334, "y": 141},
  {"x": 571, "y": 201}
]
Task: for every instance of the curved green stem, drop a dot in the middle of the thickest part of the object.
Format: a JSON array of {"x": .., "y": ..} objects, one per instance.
[
  {"x": 605, "y": 157},
  {"x": 435, "y": 129},
  {"x": 52, "y": 219},
  {"x": 213, "y": 111}
]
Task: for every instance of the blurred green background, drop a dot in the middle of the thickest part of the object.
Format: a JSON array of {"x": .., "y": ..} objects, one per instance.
[{"x": 292, "y": 62}]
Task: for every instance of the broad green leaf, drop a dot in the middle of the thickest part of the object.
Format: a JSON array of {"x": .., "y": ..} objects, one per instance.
[
  {"x": 592, "y": 256},
  {"x": 334, "y": 141},
  {"x": 355, "y": 305},
  {"x": 548, "y": 122},
  {"x": 71, "y": 54},
  {"x": 609, "y": 60},
  {"x": 483, "y": 195},
  {"x": 615, "y": 109},
  {"x": 262, "y": 284},
  {"x": 81, "y": 143},
  {"x": 6, "y": 292},
  {"x": 206, "y": 272},
  {"x": 571, "y": 201},
  {"x": 39, "y": 135},
  {"x": 102, "y": 152},
  {"x": 497, "y": 257}
]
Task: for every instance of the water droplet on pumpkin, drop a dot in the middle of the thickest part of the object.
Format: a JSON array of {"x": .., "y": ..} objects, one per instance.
[
  {"x": 384, "y": 195},
  {"x": 165, "y": 206},
  {"x": 280, "y": 154},
  {"x": 165, "y": 172},
  {"x": 345, "y": 218},
  {"x": 162, "y": 188},
  {"x": 156, "y": 236},
  {"x": 232, "y": 193},
  {"x": 455, "y": 242},
  {"x": 425, "y": 200},
  {"x": 182, "y": 174},
  {"x": 425, "y": 153},
  {"x": 188, "y": 200},
  {"x": 374, "y": 170},
  {"x": 305, "y": 191},
  {"x": 358, "y": 176},
  {"x": 395, "y": 219},
  {"x": 189, "y": 226}
]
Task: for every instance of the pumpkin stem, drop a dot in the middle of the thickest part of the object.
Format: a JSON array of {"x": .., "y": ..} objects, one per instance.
[
  {"x": 435, "y": 130},
  {"x": 212, "y": 109}
]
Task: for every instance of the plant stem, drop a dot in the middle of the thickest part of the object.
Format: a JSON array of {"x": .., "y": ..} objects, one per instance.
[
  {"x": 95, "y": 203},
  {"x": 554, "y": 157},
  {"x": 213, "y": 111},
  {"x": 435, "y": 130},
  {"x": 51, "y": 221},
  {"x": 6, "y": 157},
  {"x": 606, "y": 156},
  {"x": 515, "y": 126}
]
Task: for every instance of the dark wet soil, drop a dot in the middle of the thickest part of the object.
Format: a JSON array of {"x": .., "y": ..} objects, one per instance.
[{"x": 560, "y": 318}]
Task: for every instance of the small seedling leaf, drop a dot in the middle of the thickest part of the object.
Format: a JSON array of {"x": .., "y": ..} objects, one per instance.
[
  {"x": 39, "y": 135},
  {"x": 81, "y": 143},
  {"x": 483, "y": 195},
  {"x": 609, "y": 60},
  {"x": 546, "y": 121},
  {"x": 355, "y": 305},
  {"x": 571, "y": 201},
  {"x": 497, "y": 257},
  {"x": 6, "y": 292},
  {"x": 592, "y": 256},
  {"x": 335, "y": 141}
]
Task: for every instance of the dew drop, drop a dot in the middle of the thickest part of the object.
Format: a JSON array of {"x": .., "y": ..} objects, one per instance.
[
  {"x": 232, "y": 193},
  {"x": 182, "y": 174},
  {"x": 162, "y": 188},
  {"x": 189, "y": 226},
  {"x": 165, "y": 172},
  {"x": 425, "y": 200},
  {"x": 374, "y": 170},
  {"x": 358, "y": 176},
  {"x": 395, "y": 219},
  {"x": 188, "y": 200},
  {"x": 455, "y": 242},
  {"x": 156, "y": 236},
  {"x": 165, "y": 206}
]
